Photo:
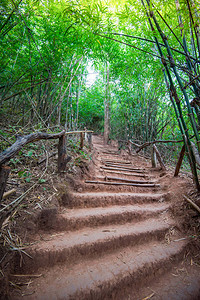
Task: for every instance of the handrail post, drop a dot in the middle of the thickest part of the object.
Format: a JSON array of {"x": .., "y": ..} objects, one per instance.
[
  {"x": 129, "y": 147},
  {"x": 62, "y": 153},
  {"x": 89, "y": 138},
  {"x": 81, "y": 140},
  {"x": 153, "y": 158}
]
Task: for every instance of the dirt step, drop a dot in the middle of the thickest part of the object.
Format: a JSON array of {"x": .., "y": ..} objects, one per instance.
[
  {"x": 124, "y": 174},
  {"x": 91, "y": 187},
  {"x": 74, "y": 219},
  {"x": 125, "y": 162},
  {"x": 72, "y": 247},
  {"x": 181, "y": 283},
  {"x": 107, "y": 277},
  {"x": 124, "y": 166},
  {"x": 96, "y": 199},
  {"x": 135, "y": 170}
]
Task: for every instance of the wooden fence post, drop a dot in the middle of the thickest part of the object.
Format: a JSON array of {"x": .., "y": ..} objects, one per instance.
[
  {"x": 129, "y": 147},
  {"x": 4, "y": 173},
  {"x": 153, "y": 158},
  {"x": 62, "y": 153},
  {"x": 81, "y": 140},
  {"x": 89, "y": 137}
]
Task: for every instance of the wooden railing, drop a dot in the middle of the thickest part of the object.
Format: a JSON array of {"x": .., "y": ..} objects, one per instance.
[{"x": 21, "y": 141}]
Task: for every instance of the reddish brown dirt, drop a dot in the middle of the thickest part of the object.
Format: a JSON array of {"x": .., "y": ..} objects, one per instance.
[{"x": 112, "y": 242}]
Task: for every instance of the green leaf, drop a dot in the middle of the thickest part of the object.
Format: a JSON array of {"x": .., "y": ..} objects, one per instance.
[
  {"x": 21, "y": 173},
  {"x": 42, "y": 180}
]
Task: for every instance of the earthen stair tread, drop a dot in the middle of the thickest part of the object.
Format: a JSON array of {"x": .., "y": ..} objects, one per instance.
[
  {"x": 92, "y": 279},
  {"x": 116, "y": 209},
  {"x": 118, "y": 194},
  {"x": 181, "y": 283},
  {"x": 95, "y": 235}
]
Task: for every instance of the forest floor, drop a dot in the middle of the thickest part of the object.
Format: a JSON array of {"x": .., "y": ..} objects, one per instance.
[{"x": 124, "y": 231}]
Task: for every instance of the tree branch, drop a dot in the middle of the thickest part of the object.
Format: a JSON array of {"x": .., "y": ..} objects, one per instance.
[
  {"x": 140, "y": 147},
  {"x": 21, "y": 141}
]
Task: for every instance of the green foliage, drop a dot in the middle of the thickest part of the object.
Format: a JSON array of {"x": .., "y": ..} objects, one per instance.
[
  {"x": 25, "y": 175},
  {"x": 45, "y": 50},
  {"x": 42, "y": 180},
  {"x": 91, "y": 113}
]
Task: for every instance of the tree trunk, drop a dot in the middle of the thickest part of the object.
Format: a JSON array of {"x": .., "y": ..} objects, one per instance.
[
  {"x": 4, "y": 173},
  {"x": 107, "y": 108}
]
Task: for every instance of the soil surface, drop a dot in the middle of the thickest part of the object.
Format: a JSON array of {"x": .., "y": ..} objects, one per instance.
[{"x": 120, "y": 234}]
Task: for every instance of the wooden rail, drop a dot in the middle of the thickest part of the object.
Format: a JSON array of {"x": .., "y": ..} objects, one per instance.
[{"x": 21, "y": 141}]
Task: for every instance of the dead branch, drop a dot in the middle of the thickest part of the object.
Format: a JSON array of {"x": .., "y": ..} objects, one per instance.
[
  {"x": 134, "y": 144},
  {"x": 8, "y": 193},
  {"x": 21, "y": 141},
  {"x": 192, "y": 203},
  {"x": 140, "y": 147}
]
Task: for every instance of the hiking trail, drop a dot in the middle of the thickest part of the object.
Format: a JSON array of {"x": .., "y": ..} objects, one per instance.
[{"x": 114, "y": 238}]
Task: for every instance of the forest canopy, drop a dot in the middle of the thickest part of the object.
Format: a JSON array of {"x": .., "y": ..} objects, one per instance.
[{"x": 145, "y": 58}]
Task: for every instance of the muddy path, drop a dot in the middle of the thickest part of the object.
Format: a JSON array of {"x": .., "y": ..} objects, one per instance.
[{"x": 114, "y": 238}]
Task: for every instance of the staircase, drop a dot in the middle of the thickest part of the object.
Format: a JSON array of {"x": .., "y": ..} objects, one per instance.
[{"x": 113, "y": 239}]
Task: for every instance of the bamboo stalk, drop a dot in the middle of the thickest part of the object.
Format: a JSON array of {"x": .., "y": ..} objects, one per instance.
[
  {"x": 121, "y": 166},
  {"x": 178, "y": 165},
  {"x": 128, "y": 180},
  {"x": 159, "y": 158},
  {"x": 196, "y": 153},
  {"x": 122, "y": 183},
  {"x": 123, "y": 169},
  {"x": 79, "y": 131},
  {"x": 177, "y": 77},
  {"x": 126, "y": 174},
  {"x": 116, "y": 162},
  {"x": 108, "y": 152},
  {"x": 178, "y": 111}
]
